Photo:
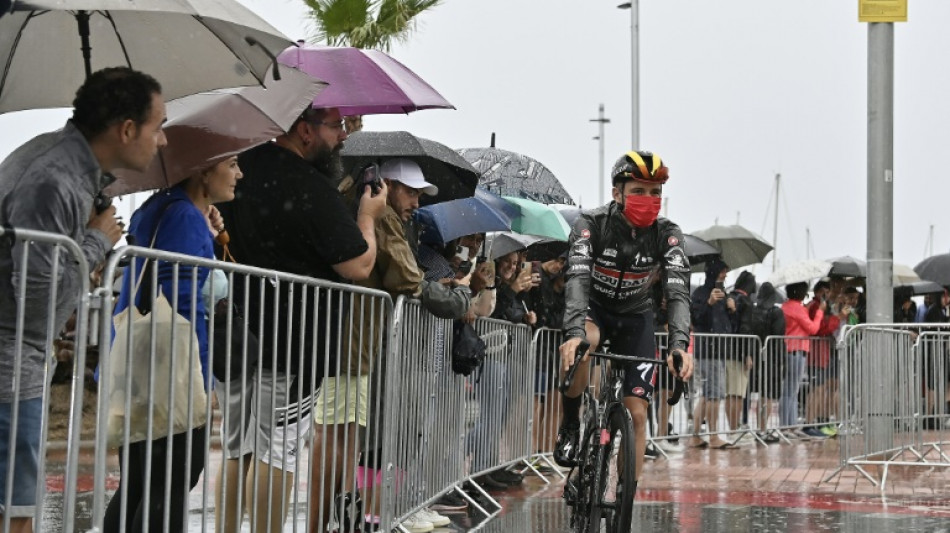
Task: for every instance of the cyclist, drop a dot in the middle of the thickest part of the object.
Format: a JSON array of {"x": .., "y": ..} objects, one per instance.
[{"x": 617, "y": 252}]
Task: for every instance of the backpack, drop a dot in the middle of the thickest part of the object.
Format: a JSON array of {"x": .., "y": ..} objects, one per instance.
[
  {"x": 758, "y": 320},
  {"x": 468, "y": 349}
]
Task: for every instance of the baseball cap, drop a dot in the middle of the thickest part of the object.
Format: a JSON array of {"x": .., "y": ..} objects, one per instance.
[{"x": 407, "y": 172}]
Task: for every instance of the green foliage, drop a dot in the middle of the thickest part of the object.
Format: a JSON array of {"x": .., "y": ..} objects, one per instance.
[{"x": 365, "y": 23}]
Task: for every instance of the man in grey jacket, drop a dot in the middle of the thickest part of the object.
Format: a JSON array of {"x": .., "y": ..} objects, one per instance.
[{"x": 51, "y": 184}]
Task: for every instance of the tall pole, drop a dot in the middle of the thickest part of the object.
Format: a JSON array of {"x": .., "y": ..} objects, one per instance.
[
  {"x": 880, "y": 297},
  {"x": 778, "y": 182},
  {"x": 602, "y": 182},
  {"x": 635, "y": 73},
  {"x": 634, "y": 7}
]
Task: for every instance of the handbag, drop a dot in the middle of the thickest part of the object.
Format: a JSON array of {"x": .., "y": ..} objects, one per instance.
[
  {"x": 166, "y": 385},
  {"x": 468, "y": 349}
]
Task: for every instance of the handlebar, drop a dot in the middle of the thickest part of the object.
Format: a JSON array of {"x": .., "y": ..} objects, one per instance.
[{"x": 680, "y": 387}]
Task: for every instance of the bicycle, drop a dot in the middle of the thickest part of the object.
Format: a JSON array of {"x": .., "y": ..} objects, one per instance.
[{"x": 608, "y": 441}]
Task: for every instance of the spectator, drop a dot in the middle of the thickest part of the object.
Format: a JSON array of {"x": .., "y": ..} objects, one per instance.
[
  {"x": 822, "y": 364},
  {"x": 181, "y": 219},
  {"x": 739, "y": 360},
  {"x": 713, "y": 312},
  {"x": 511, "y": 283},
  {"x": 287, "y": 216},
  {"x": 343, "y": 401},
  {"x": 50, "y": 184},
  {"x": 938, "y": 313},
  {"x": 798, "y": 324},
  {"x": 767, "y": 320}
]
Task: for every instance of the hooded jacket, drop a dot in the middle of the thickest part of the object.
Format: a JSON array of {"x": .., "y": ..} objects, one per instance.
[
  {"x": 707, "y": 318},
  {"x": 614, "y": 265}
]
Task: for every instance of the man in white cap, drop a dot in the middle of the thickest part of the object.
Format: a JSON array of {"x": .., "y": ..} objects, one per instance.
[{"x": 341, "y": 404}]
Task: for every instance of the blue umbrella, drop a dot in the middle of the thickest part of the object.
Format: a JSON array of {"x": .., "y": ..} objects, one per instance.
[{"x": 481, "y": 213}]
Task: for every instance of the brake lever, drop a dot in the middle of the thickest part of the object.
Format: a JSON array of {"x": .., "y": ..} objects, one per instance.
[
  {"x": 569, "y": 377},
  {"x": 681, "y": 387}
]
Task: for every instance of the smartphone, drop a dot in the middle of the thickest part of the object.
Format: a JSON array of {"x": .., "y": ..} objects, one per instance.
[
  {"x": 526, "y": 265},
  {"x": 462, "y": 253},
  {"x": 721, "y": 286},
  {"x": 535, "y": 267},
  {"x": 370, "y": 176}
]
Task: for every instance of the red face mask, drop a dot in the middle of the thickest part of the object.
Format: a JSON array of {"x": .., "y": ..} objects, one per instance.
[{"x": 641, "y": 211}]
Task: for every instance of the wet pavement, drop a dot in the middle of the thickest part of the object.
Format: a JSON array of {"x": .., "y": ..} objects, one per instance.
[{"x": 753, "y": 488}]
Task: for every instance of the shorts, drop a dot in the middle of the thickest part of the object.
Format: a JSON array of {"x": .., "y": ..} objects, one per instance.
[
  {"x": 342, "y": 400},
  {"x": 630, "y": 335},
  {"x": 26, "y": 457},
  {"x": 274, "y": 437},
  {"x": 711, "y": 372},
  {"x": 737, "y": 379}
]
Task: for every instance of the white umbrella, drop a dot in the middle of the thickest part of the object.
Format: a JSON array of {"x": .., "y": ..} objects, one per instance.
[
  {"x": 49, "y": 47},
  {"x": 802, "y": 271},
  {"x": 904, "y": 275},
  {"x": 205, "y": 128},
  {"x": 737, "y": 245}
]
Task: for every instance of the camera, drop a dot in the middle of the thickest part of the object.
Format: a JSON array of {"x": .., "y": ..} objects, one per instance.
[{"x": 370, "y": 176}]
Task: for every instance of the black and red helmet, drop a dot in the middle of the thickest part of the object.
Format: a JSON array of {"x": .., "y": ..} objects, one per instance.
[{"x": 641, "y": 166}]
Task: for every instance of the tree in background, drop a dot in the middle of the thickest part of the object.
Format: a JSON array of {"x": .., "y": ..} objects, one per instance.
[{"x": 373, "y": 24}]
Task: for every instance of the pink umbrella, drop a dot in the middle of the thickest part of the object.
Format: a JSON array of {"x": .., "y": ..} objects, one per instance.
[
  {"x": 206, "y": 128},
  {"x": 363, "y": 82}
]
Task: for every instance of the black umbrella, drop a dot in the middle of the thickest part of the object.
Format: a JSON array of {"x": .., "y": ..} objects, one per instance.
[
  {"x": 918, "y": 288},
  {"x": 503, "y": 243},
  {"x": 441, "y": 165},
  {"x": 698, "y": 251},
  {"x": 848, "y": 267},
  {"x": 510, "y": 174},
  {"x": 935, "y": 268}
]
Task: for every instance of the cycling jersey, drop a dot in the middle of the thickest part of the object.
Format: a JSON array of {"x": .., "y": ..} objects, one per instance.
[{"x": 614, "y": 265}]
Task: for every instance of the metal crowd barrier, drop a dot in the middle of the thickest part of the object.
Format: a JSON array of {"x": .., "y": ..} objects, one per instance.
[
  {"x": 450, "y": 428},
  {"x": 319, "y": 328},
  {"x": 894, "y": 399},
  {"x": 29, "y": 338},
  {"x": 547, "y": 402}
]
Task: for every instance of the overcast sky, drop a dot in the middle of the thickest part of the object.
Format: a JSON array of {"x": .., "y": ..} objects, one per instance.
[{"x": 732, "y": 92}]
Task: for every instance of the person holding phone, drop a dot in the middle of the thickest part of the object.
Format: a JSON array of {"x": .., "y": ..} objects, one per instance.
[{"x": 712, "y": 311}]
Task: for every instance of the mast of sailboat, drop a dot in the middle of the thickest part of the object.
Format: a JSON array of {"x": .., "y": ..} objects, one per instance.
[{"x": 778, "y": 179}]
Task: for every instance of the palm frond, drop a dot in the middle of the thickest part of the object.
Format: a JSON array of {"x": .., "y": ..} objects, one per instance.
[
  {"x": 336, "y": 20},
  {"x": 352, "y": 22}
]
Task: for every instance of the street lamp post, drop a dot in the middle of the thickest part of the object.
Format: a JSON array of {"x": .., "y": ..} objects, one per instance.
[
  {"x": 634, "y": 7},
  {"x": 600, "y": 120}
]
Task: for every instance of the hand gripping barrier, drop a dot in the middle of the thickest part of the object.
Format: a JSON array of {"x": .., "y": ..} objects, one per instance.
[{"x": 48, "y": 279}]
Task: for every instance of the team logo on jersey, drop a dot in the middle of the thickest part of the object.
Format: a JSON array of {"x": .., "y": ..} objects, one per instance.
[
  {"x": 638, "y": 391},
  {"x": 610, "y": 252},
  {"x": 585, "y": 233},
  {"x": 675, "y": 257},
  {"x": 672, "y": 241}
]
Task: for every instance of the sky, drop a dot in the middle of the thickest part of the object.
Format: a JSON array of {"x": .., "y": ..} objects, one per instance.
[{"x": 732, "y": 93}]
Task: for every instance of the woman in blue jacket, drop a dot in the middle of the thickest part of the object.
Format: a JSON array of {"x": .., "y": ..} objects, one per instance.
[{"x": 179, "y": 219}]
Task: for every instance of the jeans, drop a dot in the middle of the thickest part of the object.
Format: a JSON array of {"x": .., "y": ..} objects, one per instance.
[{"x": 788, "y": 403}]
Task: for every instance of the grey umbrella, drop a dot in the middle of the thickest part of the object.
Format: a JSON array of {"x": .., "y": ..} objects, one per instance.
[
  {"x": 510, "y": 174},
  {"x": 738, "y": 246},
  {"x": 49, "y": 47},
  {"x": 504, "y": 242},
  {"x": 698, "y": 251},
  {"x": 441, "y": 165},
  {"x": 935, "y": 268}
]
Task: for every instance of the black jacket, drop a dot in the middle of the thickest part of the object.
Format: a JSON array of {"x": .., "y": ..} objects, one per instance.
[{"x": 615, "y": 265}]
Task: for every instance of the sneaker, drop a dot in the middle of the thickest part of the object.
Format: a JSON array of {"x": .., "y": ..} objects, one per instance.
[
  {"x": 565, "y": 451},
  {"x": 507, "y": 476},
  {"x": 437, "y": 520},
  {"x": 814, "y": 432},
  {"x": 669, "y": 446},
  {"x": 651, "y": 453},
  {"x": 488, "y": 482},
  {"x": 414, "y": 524},
  {"x": 829, "y": 431},
  {"x": 347, "y": 512},
  {"x": 450, "y": 502}
]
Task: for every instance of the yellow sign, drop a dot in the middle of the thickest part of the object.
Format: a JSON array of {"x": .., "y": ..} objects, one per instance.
[{"x": 882, "y": 10}]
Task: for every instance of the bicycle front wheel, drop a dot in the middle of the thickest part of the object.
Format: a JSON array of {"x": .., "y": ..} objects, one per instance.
[{"x": 616, "y": 484}]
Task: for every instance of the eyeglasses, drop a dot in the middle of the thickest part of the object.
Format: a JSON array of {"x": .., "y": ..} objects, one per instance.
[{"x": 333, "y": 125}]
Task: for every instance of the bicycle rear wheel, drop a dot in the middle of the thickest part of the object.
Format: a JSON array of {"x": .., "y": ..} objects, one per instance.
[{"x": 614, "y": 481}]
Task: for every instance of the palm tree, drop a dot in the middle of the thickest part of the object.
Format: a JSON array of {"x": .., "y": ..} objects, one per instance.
[{"x": 373, "y": 24}]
